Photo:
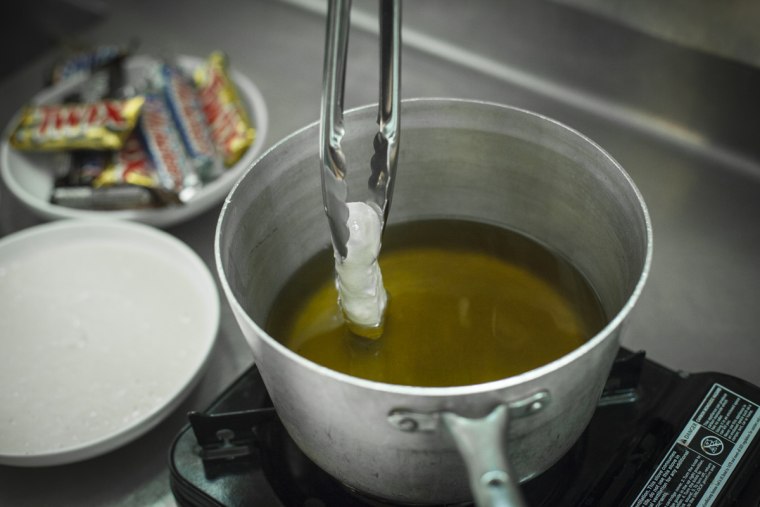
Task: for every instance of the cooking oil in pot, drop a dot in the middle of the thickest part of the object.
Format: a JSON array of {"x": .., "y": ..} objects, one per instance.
[{"x": 468, "y": 303}]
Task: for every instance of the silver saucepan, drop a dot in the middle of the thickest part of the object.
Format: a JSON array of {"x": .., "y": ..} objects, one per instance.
[{"x": 465, "y": 160}]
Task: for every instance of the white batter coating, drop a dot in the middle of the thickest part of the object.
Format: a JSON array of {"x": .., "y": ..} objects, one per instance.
[{"x": 360, "y": 284}]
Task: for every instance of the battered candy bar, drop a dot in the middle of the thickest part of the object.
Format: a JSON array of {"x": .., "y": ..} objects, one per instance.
[
  {"x": 231, "y": 129},
  {"x": 102, "y": 125}
]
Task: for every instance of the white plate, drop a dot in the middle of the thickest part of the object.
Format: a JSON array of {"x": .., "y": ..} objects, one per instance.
[
  {"x": 29, "y": 176},
  {"x": 104, "y": 328}
]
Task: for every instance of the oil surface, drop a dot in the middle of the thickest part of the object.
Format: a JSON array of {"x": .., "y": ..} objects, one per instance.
[{"x": 468, "y": 303}]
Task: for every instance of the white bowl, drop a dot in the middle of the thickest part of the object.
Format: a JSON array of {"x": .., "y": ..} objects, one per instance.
[
  {"x": 29, "y": 176},
  {"x": 105, "y": 327}
]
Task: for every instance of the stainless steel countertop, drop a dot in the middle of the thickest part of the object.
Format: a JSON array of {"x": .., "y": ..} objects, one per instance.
[{"x": 681, "y": 122}]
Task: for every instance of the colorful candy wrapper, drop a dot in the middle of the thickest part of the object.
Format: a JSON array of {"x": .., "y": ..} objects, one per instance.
[
  {"x": 102, "y": 125},
  {"x": 106, "y": 180},
  {"x": 130, "y": 165},
  {"x": 174, "y": 169},
  {"x": 86, "y": 61},
  {"x": 231, "y": 129},
  {"x": 184, "y": 102}
]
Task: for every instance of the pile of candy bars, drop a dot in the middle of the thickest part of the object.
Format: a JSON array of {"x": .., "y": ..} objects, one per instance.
[{"x": 134, "y": 145}]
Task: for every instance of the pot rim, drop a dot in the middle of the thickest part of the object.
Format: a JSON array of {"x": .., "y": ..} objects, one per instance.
[{"x": 447, "y": 391}]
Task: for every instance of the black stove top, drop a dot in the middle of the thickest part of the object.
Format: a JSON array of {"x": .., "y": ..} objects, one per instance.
[{"x": 658, "y": 437}]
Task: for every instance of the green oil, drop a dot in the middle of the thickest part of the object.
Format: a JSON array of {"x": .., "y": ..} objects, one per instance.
[{"x": 468, "y": 303}]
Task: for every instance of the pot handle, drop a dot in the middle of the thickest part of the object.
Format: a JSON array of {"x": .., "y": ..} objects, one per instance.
[{"x": 482, "y": 444}]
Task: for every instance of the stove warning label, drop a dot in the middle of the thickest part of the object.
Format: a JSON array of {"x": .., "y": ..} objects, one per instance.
[{"x": 705, "y": 454}]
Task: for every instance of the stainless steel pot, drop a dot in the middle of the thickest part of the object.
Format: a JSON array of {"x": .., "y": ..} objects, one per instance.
[{"x": 459, "y": 159}]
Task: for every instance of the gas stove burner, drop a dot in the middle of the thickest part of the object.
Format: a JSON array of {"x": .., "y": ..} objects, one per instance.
[{"x": 657, "y": 438}]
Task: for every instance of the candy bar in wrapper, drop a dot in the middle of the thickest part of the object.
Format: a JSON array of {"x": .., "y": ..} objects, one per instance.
[
  {"x": 104, "y": 198},
  {"x": 129, "y": 165},
  {"x": 132, "y": 165},
  {"x": 173, "y": 167},
  {"x": 184, "y": 102},
  {"x": 102, "y": 125},
  {"x": 109, "y": 82},
  {"x": 105, "y": 180},
  {"x": 231, "y": 129},
  {"x": 85, "y": 62},
  {"x": 85, "y": 166}
]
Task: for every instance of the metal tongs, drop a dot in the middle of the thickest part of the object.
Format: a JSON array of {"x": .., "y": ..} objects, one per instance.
[{"x": 383, "y": 162}]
